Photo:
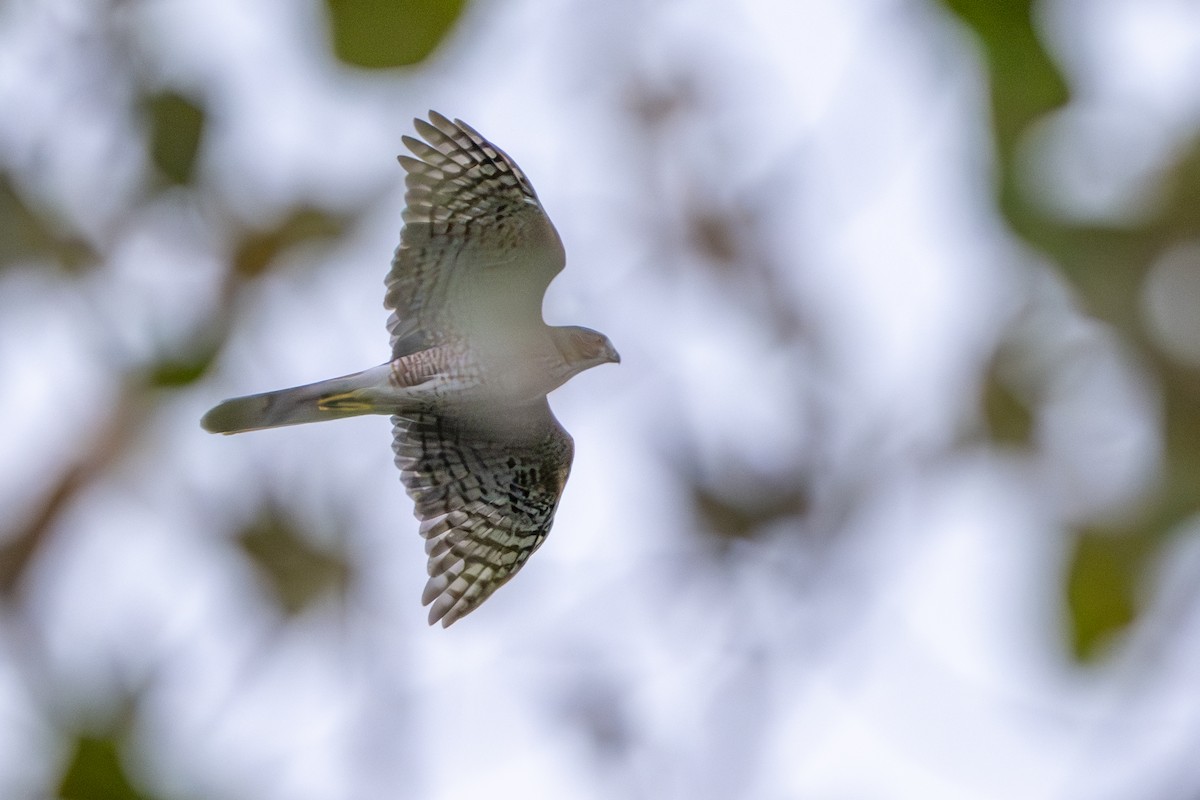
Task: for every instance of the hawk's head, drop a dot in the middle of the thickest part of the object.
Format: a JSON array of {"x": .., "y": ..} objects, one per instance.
[{"x": 583, "y": 348}]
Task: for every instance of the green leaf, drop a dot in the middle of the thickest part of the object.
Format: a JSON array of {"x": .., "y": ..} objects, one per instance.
[
  {"x": 1008, "y": 418},
  {"x": 29, "y": 234},
  {"x": 1100, "y": 590},
  {"x": 1026, "y": 83},
  {"x": 389, "y": 33},
  {"x": 176, "y": 128},
  {"x": 176, "y": 371},
  {"x": 743, "y": 517},
  {"x": 95, "y": 772},
  {"x": 257, "y": 250},
  {"x": 298, "y": 573}
]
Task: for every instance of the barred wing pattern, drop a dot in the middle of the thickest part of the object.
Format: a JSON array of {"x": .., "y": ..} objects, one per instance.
[
  {"x": 476, "y": 242},
  {"x": 485, "y": 494}
]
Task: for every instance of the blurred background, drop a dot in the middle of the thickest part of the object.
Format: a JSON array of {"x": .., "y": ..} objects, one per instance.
[{"x": 894, "y": 495}]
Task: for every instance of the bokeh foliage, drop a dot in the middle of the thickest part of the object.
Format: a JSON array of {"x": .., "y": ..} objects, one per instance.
[
  {"x": 297, "y": 572},
  {"x": 30, "y": 232},
  {"x": 1108, "y": 267},
  {"x": 176, "y": 127},
  {"x": 96, "y": 771},
  {"x": 389, "y": 33}
]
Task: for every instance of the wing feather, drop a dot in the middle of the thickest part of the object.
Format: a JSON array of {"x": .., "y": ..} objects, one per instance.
[
  {"x": 477, "y": 250},
  {"x": 485, "y": 492}
]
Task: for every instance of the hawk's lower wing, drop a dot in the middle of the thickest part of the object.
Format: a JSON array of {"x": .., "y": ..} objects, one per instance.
[{"x": 485, "y": 483}]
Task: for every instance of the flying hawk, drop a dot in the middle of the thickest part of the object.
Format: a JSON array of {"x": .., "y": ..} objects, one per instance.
[{"x": 479, "y": 451}]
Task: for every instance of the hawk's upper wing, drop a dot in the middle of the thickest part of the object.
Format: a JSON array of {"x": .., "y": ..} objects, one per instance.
[
  {"x": 477, "y": 251},
  {"x": 485, "y": 495}
]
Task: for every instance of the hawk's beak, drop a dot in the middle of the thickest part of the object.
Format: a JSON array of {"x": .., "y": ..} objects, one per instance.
[{"x": 613, "y": 356}]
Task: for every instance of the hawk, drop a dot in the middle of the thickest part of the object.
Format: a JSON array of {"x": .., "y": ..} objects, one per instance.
[{"x": 479, "y": 451}]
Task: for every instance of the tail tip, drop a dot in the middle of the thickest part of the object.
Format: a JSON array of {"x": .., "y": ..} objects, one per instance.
[
  {"x": 234, "y": 416},
  {"x": 211, "y": 421}
]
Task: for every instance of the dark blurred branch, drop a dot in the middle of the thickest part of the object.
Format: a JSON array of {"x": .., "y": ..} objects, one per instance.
[
  {"x": 255, "y": 253},
  {"x": 114, "y": 438},
  {"x": 257, "y": 249}
]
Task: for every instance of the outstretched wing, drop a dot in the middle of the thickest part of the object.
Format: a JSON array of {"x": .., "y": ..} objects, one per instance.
[
  {"x": 485, "y": 494},
  {"x": 477, "y": 250}
]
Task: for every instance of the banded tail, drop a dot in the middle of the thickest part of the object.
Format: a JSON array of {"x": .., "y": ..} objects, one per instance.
[{"x": 336, "y": 398}]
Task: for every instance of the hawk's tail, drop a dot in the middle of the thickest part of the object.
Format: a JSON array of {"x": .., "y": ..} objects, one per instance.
[{"x": 348, "y": 396}]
